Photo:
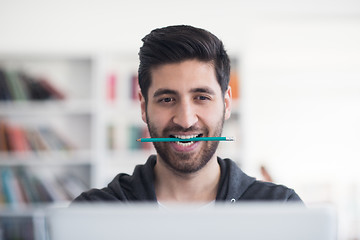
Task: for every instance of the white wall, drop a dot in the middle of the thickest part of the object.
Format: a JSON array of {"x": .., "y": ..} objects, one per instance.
[
  {"x": 84, "y": 25},
  {"x": 303, "y": 92}
]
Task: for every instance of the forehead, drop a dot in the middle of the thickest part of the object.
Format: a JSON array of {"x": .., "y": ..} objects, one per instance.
[{"x": 184, "y": 76}]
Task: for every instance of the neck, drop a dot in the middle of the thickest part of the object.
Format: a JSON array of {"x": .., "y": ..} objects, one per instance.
[{"x": 200, "y": 186}]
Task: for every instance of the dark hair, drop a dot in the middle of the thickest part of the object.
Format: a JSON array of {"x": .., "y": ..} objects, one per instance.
[{"x": 175, "y": 44}]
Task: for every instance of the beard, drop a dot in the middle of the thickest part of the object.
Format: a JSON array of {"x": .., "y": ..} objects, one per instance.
[{"x": 188, "y": 162}]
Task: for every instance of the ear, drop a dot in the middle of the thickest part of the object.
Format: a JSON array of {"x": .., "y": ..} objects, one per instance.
[
  {"x": 228, "y": 102},
  {"x": 143, "y": 107}
]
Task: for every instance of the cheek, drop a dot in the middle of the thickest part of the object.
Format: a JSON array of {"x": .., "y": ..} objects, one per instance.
[
  {"x": 157, "y": 118},
  {"x": 211, "y": 116}
]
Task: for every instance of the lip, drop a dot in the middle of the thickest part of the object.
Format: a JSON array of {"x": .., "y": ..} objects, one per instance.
[{"x": 181, "y": 148}]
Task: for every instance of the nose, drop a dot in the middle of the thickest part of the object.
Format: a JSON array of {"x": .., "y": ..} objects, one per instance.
[{"x": 185, "y": 115}]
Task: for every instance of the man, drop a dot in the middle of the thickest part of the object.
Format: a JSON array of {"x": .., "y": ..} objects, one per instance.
[{"x": 183, "y": 77}]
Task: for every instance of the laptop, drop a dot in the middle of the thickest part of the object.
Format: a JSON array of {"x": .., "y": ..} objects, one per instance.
[{"x": 179, "y": 222}]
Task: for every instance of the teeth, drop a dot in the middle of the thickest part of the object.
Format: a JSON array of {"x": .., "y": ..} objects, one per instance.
[
  {"x": 185, "y": 136},
  {"x": 184, "y": 144}
]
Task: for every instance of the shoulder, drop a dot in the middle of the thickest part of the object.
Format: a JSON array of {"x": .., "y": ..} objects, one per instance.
[
  {"x": 125, "y": 187},
  {"x": 96, "y": 195},
  {"x": 113, "y": 192},
  {"x": 269, "y": 191},
  {"x": 238, "y": 185}
]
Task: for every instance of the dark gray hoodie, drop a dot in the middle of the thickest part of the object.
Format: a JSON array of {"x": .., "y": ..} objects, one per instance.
[{"x": 234, "y": 186}]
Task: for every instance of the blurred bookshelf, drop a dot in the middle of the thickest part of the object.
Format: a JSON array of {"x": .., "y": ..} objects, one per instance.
[
  {"x": 46, "y": 122},
  {"x": 69, "y": 123},
  {"x": 24, "y": 224}
]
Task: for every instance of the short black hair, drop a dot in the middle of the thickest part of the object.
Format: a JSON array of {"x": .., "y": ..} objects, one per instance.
[{"x": 174, "y": 44}]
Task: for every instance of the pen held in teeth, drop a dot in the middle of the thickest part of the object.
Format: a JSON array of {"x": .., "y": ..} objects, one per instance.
[{"x": 186, "y": 140}]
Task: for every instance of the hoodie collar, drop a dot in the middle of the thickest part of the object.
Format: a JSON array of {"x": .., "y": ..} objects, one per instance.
[{"x": 233, "y": 181}]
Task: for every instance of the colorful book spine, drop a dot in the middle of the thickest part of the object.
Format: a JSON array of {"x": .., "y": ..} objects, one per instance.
[
  {"x": 54, "y": 92},
  {"x": 136, "y": 132},
  {"x": 4, "y": 88},
  {"x": 234, "y": 81},
  {"x": 19, "y": 139},
  {"x": 111, "y": 87},
  {"x": 135, "y": 88},
  {"x": 9, "y": 195},
  {"x": 16, "y": 85},
  {"x": 20, "y": 186},
  {"x": 3, "y": 137}
]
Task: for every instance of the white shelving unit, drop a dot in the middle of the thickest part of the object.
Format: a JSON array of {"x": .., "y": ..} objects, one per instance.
[
  {"x": 72, "y": 118},
  {"x": 118, "y": 112}
]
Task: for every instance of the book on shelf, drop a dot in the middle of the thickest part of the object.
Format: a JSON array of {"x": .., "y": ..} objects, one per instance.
[
  {"x": 4, "y": 88},
  {"x": 20, "y": 186},
  {"x": 145, "y": 134},
  {"x": 54, "y": 187},
  {"x": 234, "y": 84},
  {"x": 111, "y": 87},
  {"x": 9, "y": 195},
  {"x": 19, "y": 139},
  {"x": 2, "y": 195},
  {"x": 64, "y": 140},
  {"x": 136, "y": 132},
  {"x": 52, "y": 139},
  {"x": 19, "y": 190},
  {"x": 17, "y": 85},
  {"x": 3, "y": 137},
  {"x": 36, "y": 142},
  {"x": 71, "y": 185},
  {"x": 18, "y": 226},
  {"x": 36, "y": 90},
  {"x": 110, "y": 140},
  {"x": 234, "y": 81},
  {"x": 13, "y": 193},
  {"x": 17, "y": 88},
  {"x": 27, "y": 184},
  {"x": 54, "y": 91},
  {"x": 135, "y": 88}
]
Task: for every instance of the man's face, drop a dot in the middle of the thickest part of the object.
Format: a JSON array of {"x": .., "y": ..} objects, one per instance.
[{"x": 185, "y": 100}]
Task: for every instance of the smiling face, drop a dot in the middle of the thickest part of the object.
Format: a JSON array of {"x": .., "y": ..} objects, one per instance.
[{"x": 185, "y": 100}]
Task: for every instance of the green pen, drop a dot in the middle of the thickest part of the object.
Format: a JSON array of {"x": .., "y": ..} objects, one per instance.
[{"x": 186, "y": 140}]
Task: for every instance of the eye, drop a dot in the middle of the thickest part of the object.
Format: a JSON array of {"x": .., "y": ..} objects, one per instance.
[
  {"x": 166, "y": 100},
  {"x": 203, "y": 98}
]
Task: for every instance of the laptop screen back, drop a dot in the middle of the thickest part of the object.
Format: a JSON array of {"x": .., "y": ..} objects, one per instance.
[{"x": 240, "y": 221}]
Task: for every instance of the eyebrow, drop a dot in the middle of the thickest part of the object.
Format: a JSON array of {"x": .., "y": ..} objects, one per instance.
[
  {"x": 162, "y": 91},
  {"x": 203, "y": 90}
]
